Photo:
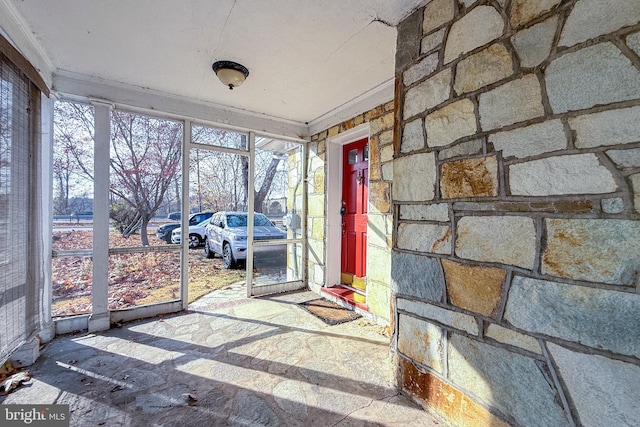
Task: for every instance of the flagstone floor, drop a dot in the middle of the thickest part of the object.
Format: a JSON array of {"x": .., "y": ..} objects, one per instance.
[{"x": 227, "y": 361}]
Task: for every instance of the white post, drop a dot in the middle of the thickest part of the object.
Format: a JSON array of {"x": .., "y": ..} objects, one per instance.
[
  {"x": 99, "y": 320},
  {"x": 184, "y": 216},
  {"x": 251, "y": 208}
]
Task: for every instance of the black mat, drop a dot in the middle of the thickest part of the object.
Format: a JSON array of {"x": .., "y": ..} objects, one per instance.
[{"x": 329, "y": 312}]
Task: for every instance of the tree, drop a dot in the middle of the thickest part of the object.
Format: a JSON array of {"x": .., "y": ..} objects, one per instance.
[
  {"x": 72, "y": 154},
  {"x": 268, "y": 170},
  {"x": 145, "y": 158}
]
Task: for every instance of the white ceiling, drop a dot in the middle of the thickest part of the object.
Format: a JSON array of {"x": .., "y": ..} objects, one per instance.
[{"x": 305, "y": 57}]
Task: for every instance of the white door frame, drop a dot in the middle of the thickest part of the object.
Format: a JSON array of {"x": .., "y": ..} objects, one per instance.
[{"x": 334, "y": 196}]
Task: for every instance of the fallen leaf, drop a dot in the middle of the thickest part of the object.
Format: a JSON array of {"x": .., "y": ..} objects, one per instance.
[
  {"x": 117, "y": 388},
  {"x": 191, "y": 399},
  {"x": 72, "y": 362},
  {"x": 14, "y": 381}
]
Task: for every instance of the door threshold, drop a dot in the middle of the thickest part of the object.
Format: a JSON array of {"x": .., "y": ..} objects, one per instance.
[{"x": 348, "y": 295}]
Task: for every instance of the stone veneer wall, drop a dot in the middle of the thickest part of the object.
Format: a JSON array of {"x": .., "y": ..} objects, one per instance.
[
  {"x": 516, "y": 261},
  {"x": 381, "y": 120}
]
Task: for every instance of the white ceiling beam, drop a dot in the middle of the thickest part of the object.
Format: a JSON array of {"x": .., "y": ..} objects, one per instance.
[{"x": 79, "y": 86}]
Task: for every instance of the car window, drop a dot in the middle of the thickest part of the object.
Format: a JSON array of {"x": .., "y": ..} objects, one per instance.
[
  {"x": 238, "y": 220},
  {"x": 262, "y": 221}
]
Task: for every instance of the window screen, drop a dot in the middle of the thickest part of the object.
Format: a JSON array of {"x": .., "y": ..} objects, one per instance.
[{"x": 21, "y": 279}]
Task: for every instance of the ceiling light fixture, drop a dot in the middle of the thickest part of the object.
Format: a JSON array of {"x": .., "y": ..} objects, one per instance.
[{"x": 230, "y": 73}]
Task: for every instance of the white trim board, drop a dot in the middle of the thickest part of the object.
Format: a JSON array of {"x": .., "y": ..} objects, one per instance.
[{"x": 333, "y": 227}]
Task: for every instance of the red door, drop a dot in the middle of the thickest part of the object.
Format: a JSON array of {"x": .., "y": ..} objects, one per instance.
[{"x": 355, "y": 196}]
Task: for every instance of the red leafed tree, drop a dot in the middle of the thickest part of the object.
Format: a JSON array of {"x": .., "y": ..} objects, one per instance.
[{"x": 145, "y": 158}]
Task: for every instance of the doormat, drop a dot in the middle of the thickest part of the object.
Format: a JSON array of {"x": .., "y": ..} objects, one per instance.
[{"x": 329, "y": 312}]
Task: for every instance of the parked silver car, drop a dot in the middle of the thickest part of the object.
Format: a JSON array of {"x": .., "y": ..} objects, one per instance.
[
  {"x": 226, "y": 235},
  {"x": 196, "y": 234}
]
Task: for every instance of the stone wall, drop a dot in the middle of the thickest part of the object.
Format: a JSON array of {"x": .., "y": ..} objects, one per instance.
[
  {"x": 380, "y": 218},
  {"x": 516, "y": 260}
]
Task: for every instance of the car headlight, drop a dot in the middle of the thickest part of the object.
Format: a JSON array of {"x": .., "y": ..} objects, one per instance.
[{"x": 239, "y": 238}]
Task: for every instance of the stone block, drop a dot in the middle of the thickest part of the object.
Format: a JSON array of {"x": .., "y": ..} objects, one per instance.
[
  {"x": 450, "y": 123},
  {"x": 593, "y": 18},
  {"x": 503, "y": 105},
  {"x": 315, "y": 205},
  {"x": 511, "y": 337},
  {"x": 530, "y": 140},
  {"x": 523, "y": 11},
  {"x": 379, "y": 265},
  {"x": 434, "y": 212},
  {"x": 635, "y": 184},
  {"x": 483, "y": 68},
  {"x": 379, "y": 230},
  {"x": 428, "y": 238},
  {"x": 422, "y": 342},
  {"x": 444, "y": 399},
  {"x": 474, "y": 288},
  {"x": 379, "y": 197},
  {"x": 461, "y": 149},
  {"x": 412, "y": 137},
  {"x": 595, "y": 250},
  {"x": 625, "y": 158},
  {"x": 379, "y": 300},
  {"x": 512, "y": 383},
  {"x": 386, "y": 153},
  {"x": 387, "y": 171},
  {"x": 386, "y": 137},
  {"x": 417, "y": 276},
  {"x": 407, "y": 42},
  {"x": 533, "y": 44},
  {"x": 428, "y": 94},
  {"x": 597, "y": 318},
  {"x": 475, "y": 177},
  {"x": 595, "y": 75},
  {"x": 573, "y": 174},
  {"x": 450, "y": 318},
  {"x": 318, "y": 180},
  {"x": 432, "y": 41},
  {"x": 604, "y": 391},
  {"x": 477, "y": 28},
  {"x": 415, "y": 178},
  {"x": 317, "y": 228},
  {"x": 611, "y": 127},
  {"x": 633, "y": 41},
  {"x": 420, "y": 70},
  {"x": 382, "y": 123},
  {"x": 437, "y": 13},
  {"x": 505, "y": 239},
  {"x": 614, "y": 205}
]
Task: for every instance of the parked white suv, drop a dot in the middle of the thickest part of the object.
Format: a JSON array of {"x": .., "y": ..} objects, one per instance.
[
  {"x": 196, "y": 234},
  {"x": 226, "y": 235}
]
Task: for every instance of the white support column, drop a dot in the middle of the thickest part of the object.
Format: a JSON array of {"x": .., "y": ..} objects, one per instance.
[
  {"x": 184, "y": 217},
  {"x": 99, "y": 320},
  {"x": 251, "y": 208},
  {"x": 47, "y": 331}
]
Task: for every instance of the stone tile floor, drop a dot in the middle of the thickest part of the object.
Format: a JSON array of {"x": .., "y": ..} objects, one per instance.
[{"x": 246, "y": 362}]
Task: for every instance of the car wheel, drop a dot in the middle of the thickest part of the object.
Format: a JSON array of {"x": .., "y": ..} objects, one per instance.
[
  {"x": 194, "y": 241},
  {"x": 227, "y": 257},
  {"x": 207, "y": 250}
]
